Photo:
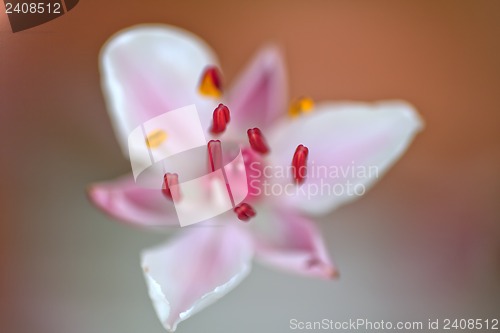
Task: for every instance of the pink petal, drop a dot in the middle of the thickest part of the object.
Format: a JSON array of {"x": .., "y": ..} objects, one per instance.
[
  {"x": 344, "y": 139},
  {"x": 289, "y": 241},
  {"x": 152, "y": 69},
  {"x": 194, "y": 270},
  {"x": 259, "y": 95},
  {"x": 125, "y": 200}
]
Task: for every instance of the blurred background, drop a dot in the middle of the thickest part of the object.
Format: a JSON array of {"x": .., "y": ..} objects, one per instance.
[{"x": 424, "y": 243}]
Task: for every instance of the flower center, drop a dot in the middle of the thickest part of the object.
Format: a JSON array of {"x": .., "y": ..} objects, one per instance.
[
  {"x": 254, "y": 163},
  {"x": 243, "y": 211}
]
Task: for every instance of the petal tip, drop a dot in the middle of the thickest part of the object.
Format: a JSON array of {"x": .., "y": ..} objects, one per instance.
[
  {"x": 97, "y": 194},
  {"x": 408, "y": 111},
  {"x": 272, "y": 53},
  {"x": 333, "y": 273},
  {"x": 170, "y": 268}
]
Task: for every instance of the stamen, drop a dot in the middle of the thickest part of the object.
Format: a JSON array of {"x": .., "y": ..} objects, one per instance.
[
  {"x": 156, "y": 138},
  {"x": 214, "y": 155},
  {"x": 300, "y": 106},
  {"x": 170, "y": 180},
  {"x": 299, "y": 164},
  {"x": 244, "y": 211},
  {"x": 257, "y": 141},
  {"x": 221, "y": 118},
  {"x": 210, "y": 83}
]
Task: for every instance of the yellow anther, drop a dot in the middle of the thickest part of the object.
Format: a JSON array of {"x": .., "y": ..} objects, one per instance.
[
  {"x": 300, "y": 106},
  {"x": 210, "y": 83},
  {"x": 156, "y": 138}
]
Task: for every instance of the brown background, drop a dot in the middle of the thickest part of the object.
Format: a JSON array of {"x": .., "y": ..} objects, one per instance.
[{"x": 424, "y": 243}]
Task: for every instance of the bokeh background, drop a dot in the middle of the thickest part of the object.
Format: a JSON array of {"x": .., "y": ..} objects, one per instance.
[{"x": 424, "y": 243}]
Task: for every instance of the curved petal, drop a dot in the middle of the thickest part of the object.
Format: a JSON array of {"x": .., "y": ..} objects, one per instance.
[
  {"x": 152, "y": 69},
  {"x": 350, "y": 146},
  {"x": 125, "y": 200},
  {"x": 259, "y": 95},
  {"x": 289, "y": 241},
  {"x": 194, "y": 270}
]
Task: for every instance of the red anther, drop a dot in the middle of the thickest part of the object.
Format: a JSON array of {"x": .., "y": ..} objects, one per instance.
[
  {"x": 170, "y": 180},
  {"x": 257, "y": 141},
  {"x": 214, "y": 155},
  {"x": 244, "y": 211},
  {"x": 221, "y": 118},
  {"x": 299, "y": 164}
]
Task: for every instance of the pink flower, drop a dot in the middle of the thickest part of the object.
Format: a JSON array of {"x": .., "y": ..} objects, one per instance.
[{"x": 149, "y": 70}]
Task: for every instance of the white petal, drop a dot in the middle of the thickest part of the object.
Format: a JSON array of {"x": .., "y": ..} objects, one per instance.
[
  {"x": 152, "y": 69},
  {"x": 195, "y": 270},
  {"x": 343, "y": 140}
]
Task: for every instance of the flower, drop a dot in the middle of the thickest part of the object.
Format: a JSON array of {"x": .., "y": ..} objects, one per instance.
[{"x": 147, "y": 70}]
